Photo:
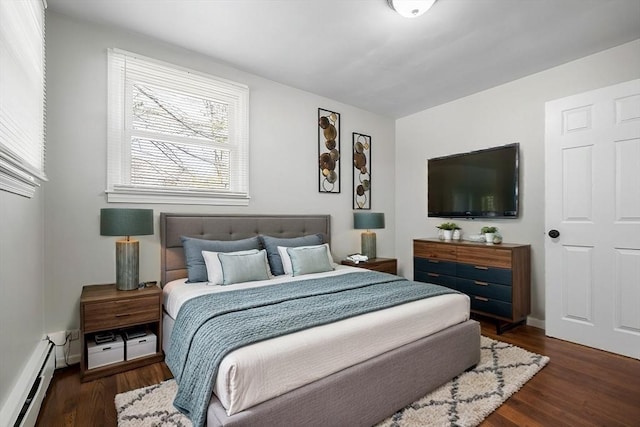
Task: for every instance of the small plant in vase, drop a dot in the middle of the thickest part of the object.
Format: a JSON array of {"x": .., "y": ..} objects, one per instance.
[
  {"x": 447, "y": 229},
  {"x": 489, "y": 233}
]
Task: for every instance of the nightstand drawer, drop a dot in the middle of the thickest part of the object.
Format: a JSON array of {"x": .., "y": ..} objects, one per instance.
[
  {"x": 484, "y": 273},
  {"x": 116, "y": 314},
  {"x": 484, "y": 289}
]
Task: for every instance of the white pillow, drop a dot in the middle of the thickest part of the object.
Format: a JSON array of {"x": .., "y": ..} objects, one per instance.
[
  {"x": 214, "y": 268},
  {"x": 286, "y": 259}
]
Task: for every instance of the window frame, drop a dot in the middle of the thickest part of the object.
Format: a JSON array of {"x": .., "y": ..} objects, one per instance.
[{"x": 122, "y": 66}]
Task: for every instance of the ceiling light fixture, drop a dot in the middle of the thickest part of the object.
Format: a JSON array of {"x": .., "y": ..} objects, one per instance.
[{"x": 410, "y": 8}]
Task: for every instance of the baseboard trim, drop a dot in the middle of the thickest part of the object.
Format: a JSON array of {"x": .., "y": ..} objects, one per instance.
[{"x": 538, "y": 323}]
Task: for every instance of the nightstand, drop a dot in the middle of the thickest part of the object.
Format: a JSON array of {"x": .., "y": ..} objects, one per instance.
[
  {"x": 386, "y": 265},
  {"x": 105, "y": 308}
]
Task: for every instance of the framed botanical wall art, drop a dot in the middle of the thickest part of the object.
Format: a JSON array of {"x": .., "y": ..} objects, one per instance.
[
  {"x": 328, "y": 151},
  {"x": 361, "y": 171}
]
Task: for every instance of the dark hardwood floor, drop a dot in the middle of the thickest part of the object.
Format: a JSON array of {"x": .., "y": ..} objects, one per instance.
[{"x": 579, "y": 387}]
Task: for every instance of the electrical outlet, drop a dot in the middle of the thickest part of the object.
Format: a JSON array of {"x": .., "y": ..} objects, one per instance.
[{"x": 75, "y": 334}]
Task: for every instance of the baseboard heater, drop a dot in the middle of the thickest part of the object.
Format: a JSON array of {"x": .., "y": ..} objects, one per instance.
[{"x": 23, "y": 406}]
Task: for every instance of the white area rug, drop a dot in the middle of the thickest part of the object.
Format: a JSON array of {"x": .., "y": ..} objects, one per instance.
[{"x": 464, "y": 401}]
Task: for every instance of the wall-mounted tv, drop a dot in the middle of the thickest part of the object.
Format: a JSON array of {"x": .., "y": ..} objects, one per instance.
[{"x": 478, "y": 184}]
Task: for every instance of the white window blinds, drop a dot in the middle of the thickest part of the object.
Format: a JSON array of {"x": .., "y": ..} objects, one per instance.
[
  {"x": 175, "y": 135},
  {"x": 22, "y": 96}
]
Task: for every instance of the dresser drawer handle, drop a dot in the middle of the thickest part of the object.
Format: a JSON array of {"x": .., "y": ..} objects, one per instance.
[
  {"x": 433, "y": 261},
  {"x": 481, "y": 299},
  {"x": 106, "y": 348},
  {"x": 123, "y": 314},
  {"x": 480, "y": 267},
  {"x": 481, "y": 283},
  {"x": 433, "y": 275}
]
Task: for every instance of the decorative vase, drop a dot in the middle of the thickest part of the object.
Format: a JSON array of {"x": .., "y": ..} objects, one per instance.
[
  {"x": 447, "y": 234},
  {"x": 457, "y": 234},
  {"x": 488, "y": 237}
]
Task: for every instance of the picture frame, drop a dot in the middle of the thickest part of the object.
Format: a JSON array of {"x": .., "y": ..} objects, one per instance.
[
  {"x": 329, "y": 175},
  {"x": 361, "y": 171}
]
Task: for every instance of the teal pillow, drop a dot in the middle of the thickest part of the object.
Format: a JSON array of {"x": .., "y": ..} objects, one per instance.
[
  {"x": 309, "y": 260},
  {"x": 239, "y": 268},
  {"x": 196, "y": 268},
  {"x": 271, "y": 245}
]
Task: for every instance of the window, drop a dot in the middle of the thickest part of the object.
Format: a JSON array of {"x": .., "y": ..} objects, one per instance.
[
  {"x": 175, "y": 135},
  {"x": 22, "y": 96}
]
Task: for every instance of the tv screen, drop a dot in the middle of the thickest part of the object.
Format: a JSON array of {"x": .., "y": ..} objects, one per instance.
[{"x": 478, "y": 184}]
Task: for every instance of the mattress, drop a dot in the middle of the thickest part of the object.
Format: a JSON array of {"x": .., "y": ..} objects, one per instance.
[{"x": 264, "y": 370}]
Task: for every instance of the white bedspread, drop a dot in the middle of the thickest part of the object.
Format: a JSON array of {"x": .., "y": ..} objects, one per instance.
[{"x": 261, "y": 371}]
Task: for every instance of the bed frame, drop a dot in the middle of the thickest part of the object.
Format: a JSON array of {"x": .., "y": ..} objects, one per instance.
[{"x": 361, "y": 395}]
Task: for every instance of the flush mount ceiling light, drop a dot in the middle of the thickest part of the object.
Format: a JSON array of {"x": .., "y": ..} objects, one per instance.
[{"x": 410, "y": 8}]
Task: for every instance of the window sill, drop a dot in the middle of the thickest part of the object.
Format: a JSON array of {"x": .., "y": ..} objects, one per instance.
[
  {"x": 132, "y": 195},
  {"x": 14, "y": 179}
]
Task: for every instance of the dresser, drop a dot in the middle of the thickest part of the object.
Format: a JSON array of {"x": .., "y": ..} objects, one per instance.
[
  {"x": 105, "y": 308},
  {"x": 497, "y": 278}
]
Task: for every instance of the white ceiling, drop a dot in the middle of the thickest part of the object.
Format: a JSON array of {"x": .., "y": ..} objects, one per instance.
[{"x": 362, "y": 53}]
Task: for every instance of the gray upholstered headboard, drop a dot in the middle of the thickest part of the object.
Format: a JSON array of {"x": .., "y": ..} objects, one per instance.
[{"x": 227, "y": 227}]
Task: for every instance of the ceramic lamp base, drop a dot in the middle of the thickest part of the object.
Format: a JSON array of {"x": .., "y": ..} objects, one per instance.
[
  {"x": 127, "y": 264},
  {"x": 368, "y": 244}
]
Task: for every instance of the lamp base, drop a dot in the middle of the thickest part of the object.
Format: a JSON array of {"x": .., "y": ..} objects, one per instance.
[
  {"x": 127, "y": 264},
  {"x": 368, "y": 244}
]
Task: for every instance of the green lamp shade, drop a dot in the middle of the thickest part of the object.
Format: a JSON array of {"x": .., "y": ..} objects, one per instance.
[
  {"x": 126, "y": 222},
  {"x": 368, "y": 220}
]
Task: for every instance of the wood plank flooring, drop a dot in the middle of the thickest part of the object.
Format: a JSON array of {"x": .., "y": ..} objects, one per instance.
[{"x": 579, "y": 387}]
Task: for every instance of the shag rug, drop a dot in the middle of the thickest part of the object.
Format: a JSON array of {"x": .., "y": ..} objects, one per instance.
[{"x": 464, "y": 401}]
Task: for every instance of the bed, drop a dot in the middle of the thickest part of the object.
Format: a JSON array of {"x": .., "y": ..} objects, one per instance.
[{"x": 388, "y": 373}]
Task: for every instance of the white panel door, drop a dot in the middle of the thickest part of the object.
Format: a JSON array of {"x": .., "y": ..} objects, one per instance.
[{"x": 592, "y": 215}]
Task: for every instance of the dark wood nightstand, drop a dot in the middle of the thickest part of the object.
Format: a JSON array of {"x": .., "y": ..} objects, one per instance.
[
  {"x": 105, "y": 308},
  {"x": 386, "y": 265}
]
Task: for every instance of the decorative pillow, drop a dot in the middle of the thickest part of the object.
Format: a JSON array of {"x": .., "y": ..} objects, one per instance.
[
  {"x": 244, "y": 267},
  {"x": 214, "y": 268},
  {"x": 307, "y": 260},
  {"x": 196, "y": 268},
  {"x": 286, "y": 259},
  {"x": 271, "y": 245}
]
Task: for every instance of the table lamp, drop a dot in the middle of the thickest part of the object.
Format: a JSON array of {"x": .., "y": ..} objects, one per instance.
[
  {"x": 126, "y": 222},
  {"x": 368, "y": 221}
]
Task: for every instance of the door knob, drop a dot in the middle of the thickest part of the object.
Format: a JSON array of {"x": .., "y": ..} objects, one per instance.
[{"x": 554, "y": 233}]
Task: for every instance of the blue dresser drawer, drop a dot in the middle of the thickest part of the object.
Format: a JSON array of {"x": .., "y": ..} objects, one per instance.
[
  {"x": 438, "y": 279},
  {"x": 484, "y": 289},
  {"x": 434, "y": 266},
  {"x": 485, "y": 274},
  {"x": 489, "y": 306}
]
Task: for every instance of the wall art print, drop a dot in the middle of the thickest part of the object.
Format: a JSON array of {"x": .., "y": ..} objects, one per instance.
[
  {"x": 361, "y": 171},
  {"x": 329, "y": 151}
]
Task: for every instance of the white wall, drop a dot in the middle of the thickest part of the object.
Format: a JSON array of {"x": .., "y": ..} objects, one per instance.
[
  {"x": 513, "y": 112},
  {"x": 283, "y": 134},
  {"x": 21, "y": 284}
]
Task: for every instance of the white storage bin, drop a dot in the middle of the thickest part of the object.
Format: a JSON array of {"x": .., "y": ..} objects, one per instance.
[
  {"x": 105, "y": 353},
  {"x": 141, "y": 346}
]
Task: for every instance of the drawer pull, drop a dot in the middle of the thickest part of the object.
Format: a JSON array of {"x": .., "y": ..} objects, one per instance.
[
  {"x": 481, "y": 283},
  {"x": 106, "y": 348},
  {"x": 123, "y": 314},
  {"x": 434, "y": 261},
  {"x": 481, "y": 299},
  {"x": 480, "y": 267},
  {"x": 433, "y": 275}
]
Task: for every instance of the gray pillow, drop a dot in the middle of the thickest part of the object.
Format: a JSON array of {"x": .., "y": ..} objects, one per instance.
[
  {"x": 271, "y": 245},
  {"x": 196, "y": 268},
  {"x": 309, "y": 260},
  {"x": 239, "y": 268}
]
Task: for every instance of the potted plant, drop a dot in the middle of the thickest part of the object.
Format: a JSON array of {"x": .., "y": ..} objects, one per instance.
[
  {"x": 447, "y": 229},
  {"x": 489, "y": 233}
]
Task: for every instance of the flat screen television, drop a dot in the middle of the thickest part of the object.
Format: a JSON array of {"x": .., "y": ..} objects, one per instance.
[{"x": 478, "y": 184}]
